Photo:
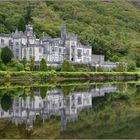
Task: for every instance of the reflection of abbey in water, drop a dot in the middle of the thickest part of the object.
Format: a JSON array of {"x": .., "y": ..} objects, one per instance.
[{"x": 54, "y": 103}]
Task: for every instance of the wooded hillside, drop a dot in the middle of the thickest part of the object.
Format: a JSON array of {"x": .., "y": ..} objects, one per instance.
[{"x": 111, "y": 28}]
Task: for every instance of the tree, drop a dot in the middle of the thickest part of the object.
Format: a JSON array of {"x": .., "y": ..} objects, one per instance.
[
  {"x": 43, "y": 65},
  {"x": 21, "y": 24},
  {"x": 6, "y": 55},
  {"x": 66, "y": 66},
  {"x": 32, "y": 63},
  {"x": 28, "y": 15},
  {"x": 43, "y": 92}
]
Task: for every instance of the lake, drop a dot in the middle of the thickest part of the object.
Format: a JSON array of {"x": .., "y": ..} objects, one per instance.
[{"x": 70, "y": 110}]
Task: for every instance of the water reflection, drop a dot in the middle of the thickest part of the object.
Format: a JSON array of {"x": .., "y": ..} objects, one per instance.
[{"x": 51, "y": 102}]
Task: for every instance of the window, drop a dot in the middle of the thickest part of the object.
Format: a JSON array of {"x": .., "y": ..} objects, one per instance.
[
  {"x": 40, "y": 50},
  {"x": 79, "y": 100},
  {"x": 54, "y": 49},
  {"x": 79, "y": 53},
  {"x": 30, "y": 52},
  {"x": 87, "y": 52},
  {"x": 2, "y": 41},
  {"x": 10, "y": 42},
  {"x": 30, "y": 104},
  {"x": 24, "y": 53},
  {"x": 2, "y": 113},
  {"x": 17, "y": 53},
  {"x": 17, "y": 110},
  {"x": 60, "y": 50},
  {"x": 72, "y": 47},
  {"x": 40, "y": 105},
  {"x": 17, "y": 43}
]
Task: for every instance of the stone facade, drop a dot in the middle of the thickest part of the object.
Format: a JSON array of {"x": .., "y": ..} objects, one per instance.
[
  {"x": 53, "y": 104},
  {"x": 54, "y": 50}
]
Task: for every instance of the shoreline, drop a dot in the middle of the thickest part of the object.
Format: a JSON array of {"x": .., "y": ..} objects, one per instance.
[{"x": 31, "y": 76}]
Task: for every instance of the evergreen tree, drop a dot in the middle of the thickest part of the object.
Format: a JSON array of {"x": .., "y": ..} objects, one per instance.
[
  {"x": 6, "y": 102},
  {"x": 6, "y": 55},
  {"x": 21, "y": 24},
  {"x": 43, "y": 92},
  {"x": 28, "y": 15},
  {"x": 43, "y": 65},
  {"x": 32, "y": 63},
  {"x": 66, "y": 66}
]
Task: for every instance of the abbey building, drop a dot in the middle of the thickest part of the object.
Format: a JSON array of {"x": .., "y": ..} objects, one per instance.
[{"x": 53, "y": 50}]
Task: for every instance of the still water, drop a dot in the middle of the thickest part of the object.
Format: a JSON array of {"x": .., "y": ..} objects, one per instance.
[{"x": 71, "y": 111}]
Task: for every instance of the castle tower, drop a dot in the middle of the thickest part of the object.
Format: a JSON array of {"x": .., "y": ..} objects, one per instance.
[
  {"x": 63, "y": 33},
  {"x": 29, "y": 30}
]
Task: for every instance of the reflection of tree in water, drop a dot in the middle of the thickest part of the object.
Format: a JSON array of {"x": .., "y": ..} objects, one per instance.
[
  {"x": 67, "y": 89},
  {"x": 43, "y": 91},
  {"x": 6, "y": 102},
  {"x": 7, "y": 96}
]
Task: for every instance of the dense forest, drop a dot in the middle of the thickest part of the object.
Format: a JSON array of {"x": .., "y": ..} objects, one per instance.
[{"x": 112, "y": 28}]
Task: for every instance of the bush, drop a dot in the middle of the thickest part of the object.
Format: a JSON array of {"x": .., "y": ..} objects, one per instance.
[
  {"x": 99, "y": 69},
  {"x": 19, "y": 66},
  {"x": 14, "y": 65},
  {"x": 27, "y": 67},
  {"x": 121, "y": 67},
  {"x": 2, "y": 66},
  {"x": 131, "y": 65},
  {"x": 66, "y": 66}
]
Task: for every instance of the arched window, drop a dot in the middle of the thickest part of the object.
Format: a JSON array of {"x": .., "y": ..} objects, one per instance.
[
  {"x": 30, "y": 52},
  {"x": 24, "y": 53}
]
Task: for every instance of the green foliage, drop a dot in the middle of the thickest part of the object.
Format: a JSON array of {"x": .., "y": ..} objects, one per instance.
[
  {"x": 121, "y": 67},
  {"x": 14, "y": 65},
  {"x": 43, "y": 65},
  {"x": 6, "y": 102},
  {"x": 111, "y": 28},
  {"x": 32, "y": 63},
  {"x": 83, "y": 67},
  {"x": 28, "y": 15},
  {"x": 99, "y": 69},
  {"x": 24, "y": 61},
  {"x": 131, "y": 65},
  {"x": 43, "y": 92},
  {"x": 66, "y": 66},
  {"x": 2, "y": 66},
  {"x": 6, "y": 55},
  {"x": 27, "y": 67}
]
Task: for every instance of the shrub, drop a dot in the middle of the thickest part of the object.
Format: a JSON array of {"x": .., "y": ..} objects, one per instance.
[
  {"x": 2, "y": 66},
  {"x": 121, "y": 67},
  {"x": 131, "y": 65},
  {"x": 99, "y": 69},
  {"x": 66, "y": 66},
  {"x": 27, "y": 67},
  {"x": 19, "y": 66}
]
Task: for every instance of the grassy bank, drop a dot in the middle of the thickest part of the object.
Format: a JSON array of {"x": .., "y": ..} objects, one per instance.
[{"x": 60, "y": 76}]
